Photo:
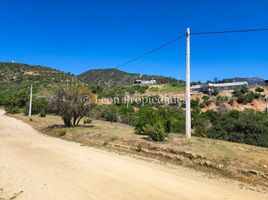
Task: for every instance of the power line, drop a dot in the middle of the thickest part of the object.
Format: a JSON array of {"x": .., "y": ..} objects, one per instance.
[
  {"x": 182, "y": 36},
  {"x": 230, "y": 31},
  {"x": 150, "y": 52}
]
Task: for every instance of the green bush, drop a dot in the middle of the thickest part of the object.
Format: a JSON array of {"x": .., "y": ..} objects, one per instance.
[
  {"x": 244, "y": 127},
  {"x": 200, "y": 131},
  {"x": 12, "y": 96},
  {"x": 87, "y": 121},
  {"x": 146, "y": 116},
  {"x": 171, "y": 119},
  {"x": 25, "y": 111},
  {"x": 61, "y": 133},
  {"x": 206, "y": 101},
  {"x": 242, "y": 99},
  {"x": 42, "y": 113},
  {"x": 39, "y": 105},
  {"x": 12, "y": 109},
  {"x": 155, "y": 132},
  {"x": 205, "y": 98},
  {"x": 248, "y": 97},
  {"x": 96, "y": 89},
  {"x": 240, "y": 91},
  {"x": 126, "y": 115},
  {"x": 110, "y": 113},
  {"x": 259, "y": 89}
]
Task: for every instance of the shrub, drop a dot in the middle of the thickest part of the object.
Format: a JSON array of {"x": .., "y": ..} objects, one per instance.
[
  {"x": 259, "y": 89},
  {"x": 12, "y": 110},
  {"x": 87, "y": 121},
  {"x": 174, "y": 84},
  {"x": 248, "y": 98},
  {"x": 146, "y": 116},
  {"x": 244, "y": 89},
  {"x": 39, "y": 105},
  {"x": 221, "y": 99},
  {"x": 42, "y": 113},
  {"x": 195, "y": 102},
  {"x": 96, "y": 89},
  {"x": 242, "y": 99},
  {"x": 25, "y": 111},
  {"x": 244, "y": 127},
  {"x": 215, "y": 92},
  {"x": 110, "y": 114},
  {"x": 126, "y": 115},
  {"x": 61, "y": 133},
  {"x": 240, "y": 91},
  {"x": 206, "y": 101},
  {"x": 200, "y": 131},
  {"x": 155, "y": 132},
  {"x": 142, "y": 89},
  {"x": 205, "y": 98}
]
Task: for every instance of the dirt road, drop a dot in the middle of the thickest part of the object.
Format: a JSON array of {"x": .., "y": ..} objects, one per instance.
[{"x": 36, "y": 167}]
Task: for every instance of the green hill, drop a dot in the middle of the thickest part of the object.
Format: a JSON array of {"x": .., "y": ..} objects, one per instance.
[
  {"x": 17, "y": 72},
  {"x": 117, "y": 78},
  {"x": 43, "y": 78}
]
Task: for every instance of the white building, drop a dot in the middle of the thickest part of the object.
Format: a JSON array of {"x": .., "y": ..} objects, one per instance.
[
  {"x": 223, "y": 87},
  {"x": 147, "y": 82}
]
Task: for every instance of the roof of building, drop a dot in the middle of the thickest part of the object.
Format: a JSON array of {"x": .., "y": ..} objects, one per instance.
[
  {"x": 228, "y": 84},
  {"x": 219, "y": 85},
  {"x": 197, "y": 86}
]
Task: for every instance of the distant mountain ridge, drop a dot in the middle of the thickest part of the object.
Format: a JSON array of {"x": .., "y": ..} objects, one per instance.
[{"x": 253, "y": 81}]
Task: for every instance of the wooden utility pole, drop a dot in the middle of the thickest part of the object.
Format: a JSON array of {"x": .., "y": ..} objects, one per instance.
[
  {"x": 31, "y": 99},
  {"x": 188, "y": 95},
  {"x": 267, "y": 105}
]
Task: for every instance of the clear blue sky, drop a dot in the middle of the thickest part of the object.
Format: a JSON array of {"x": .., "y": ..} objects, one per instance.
[{"x": 75, "y": 36}]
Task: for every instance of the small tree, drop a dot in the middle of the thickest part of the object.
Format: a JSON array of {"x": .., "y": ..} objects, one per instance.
[
  {"x": 244, "y": 89},
  {"x": 73, "y": 103},
  {"x": 155, "y": 132},
  {"x": 146, "y": 116}
]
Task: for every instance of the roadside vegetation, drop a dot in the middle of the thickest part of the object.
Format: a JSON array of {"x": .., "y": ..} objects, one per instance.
[
  {"x": 153, "y": 121},
  {"x": 154, "y": 130},
  {"x": 239, "y": 161}
]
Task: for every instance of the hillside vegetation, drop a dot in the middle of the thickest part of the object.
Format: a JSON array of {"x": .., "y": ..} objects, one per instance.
[
  {"x": 117, "y": 78},
  {"x": 44, "y": 79},
  {"x": 18, "y": 73},
  {"x": 213, "y": 115}
]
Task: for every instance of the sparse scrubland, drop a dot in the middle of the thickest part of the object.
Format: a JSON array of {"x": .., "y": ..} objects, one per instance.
[
  {"x": 158, "y": 132},
  {"x": 73, "y": 111},
  {"x": 155, "y": 120}
]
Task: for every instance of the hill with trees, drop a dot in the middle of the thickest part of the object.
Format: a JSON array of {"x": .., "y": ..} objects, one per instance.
[
  {"x": 18, "y": 73},
  {"x": 43, "y": 78},
  {"x": 117, "y": 78}
]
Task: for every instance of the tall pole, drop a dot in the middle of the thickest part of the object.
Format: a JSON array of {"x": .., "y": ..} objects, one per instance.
[
  {"x": 31, "y": 98},
  {"x": 267, "y": 105},
  {"x": 188, "y": 95}
]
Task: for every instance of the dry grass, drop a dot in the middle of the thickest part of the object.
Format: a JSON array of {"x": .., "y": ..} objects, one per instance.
[{"x": 245, "y": 162}]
